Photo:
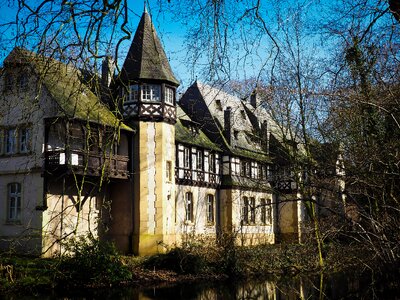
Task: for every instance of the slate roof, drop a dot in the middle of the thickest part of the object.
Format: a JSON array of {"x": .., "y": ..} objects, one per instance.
[
  {"x": 184, "y": 134},
  {"x": 146, "y": 58},
  {"x": 206, "y": 105},
  {"x": 63, "y": 82}
]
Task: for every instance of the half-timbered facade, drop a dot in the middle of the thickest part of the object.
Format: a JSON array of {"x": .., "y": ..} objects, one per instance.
[{"x": 167, "y": 172}]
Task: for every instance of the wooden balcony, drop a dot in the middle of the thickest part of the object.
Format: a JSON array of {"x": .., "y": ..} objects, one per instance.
[{"x": 88, "y": 164}]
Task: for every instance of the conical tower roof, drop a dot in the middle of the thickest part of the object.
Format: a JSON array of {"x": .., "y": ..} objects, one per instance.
[{"x": 146, "y": 58}]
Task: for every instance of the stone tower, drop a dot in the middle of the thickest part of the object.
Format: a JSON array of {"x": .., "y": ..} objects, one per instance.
[{"x": 148, "y": 87}]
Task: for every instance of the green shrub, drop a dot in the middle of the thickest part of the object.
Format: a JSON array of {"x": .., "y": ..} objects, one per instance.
[
  {"x": 91, "y": 262},
  {"x": 179, "y": 260}
]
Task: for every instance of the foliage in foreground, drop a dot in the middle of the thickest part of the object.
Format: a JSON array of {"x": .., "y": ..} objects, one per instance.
[{"x": 91, "y": 262}]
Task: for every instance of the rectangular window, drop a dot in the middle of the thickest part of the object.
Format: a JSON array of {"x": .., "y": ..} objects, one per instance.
[
  {"x": 24, "y": 139},
  {"x": 211, "y": 163},
  {"x": 254, "y": 170},
  {"x": 186, "y": 158},
  {"x": 199, "y": 160},
  {"x": 210, "y": 208},
  {"x": 14, "y": 202},
  {"x": 252, "y": 210},
  {"x": 269, "y": 211},
  {"x": 10, "y": 141},
  {"x": 151, "y": 92},
  {"x": 168, "y": 170},
  {"x": 245, "y": 210},
  {"x": 218, "y": 104},
  {"x": 245, "y": 170},
  {"x": 235, "y": 166},
  {"x": 169, "y": 96},
  {"x": 133, "y": 93},
  {"x": 263, "y": 211},
  {"x": 189, "y": 207}
]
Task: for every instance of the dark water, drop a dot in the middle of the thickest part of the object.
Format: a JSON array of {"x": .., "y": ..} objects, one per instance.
[{"x": 340, "y": 286}]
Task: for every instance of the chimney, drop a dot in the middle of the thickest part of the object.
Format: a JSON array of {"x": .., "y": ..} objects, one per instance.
[
  {"x": 227, "y": 124},
  {"x": 265, "y": 136},
  {"x": 254, "y": 99},
  {"x": 107, "y": 71}
]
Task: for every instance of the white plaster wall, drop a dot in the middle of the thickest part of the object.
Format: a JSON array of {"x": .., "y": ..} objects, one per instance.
[
  {"x": 62, "y": 220},
  {"x": 29, "y": 106},
  {"x": 26, "y": 234},
  {"x": 199, "y": 226}
]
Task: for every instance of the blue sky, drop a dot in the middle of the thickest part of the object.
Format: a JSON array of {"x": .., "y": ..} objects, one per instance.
[
  {"x": 170, "y": 32},
  {"x": 173, "y": 34}
]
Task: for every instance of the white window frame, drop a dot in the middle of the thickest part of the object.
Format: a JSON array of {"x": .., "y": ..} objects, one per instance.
[
  {"x": 186, "y": 158},
  {"x": 151, "y": 93},
  {"x": 169, "y": 95},
  {"x": 189, "y": 207},
  {"x": 24, "y": 140},
  {"x": 14, "y": 199},
  {"x": 199, "y": 158},
  {"x": 10, "y": 143},
  {"x": 211, "y": 163}
]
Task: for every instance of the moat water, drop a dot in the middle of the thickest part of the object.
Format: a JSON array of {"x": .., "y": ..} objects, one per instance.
[{"x": 367, "y": 285}]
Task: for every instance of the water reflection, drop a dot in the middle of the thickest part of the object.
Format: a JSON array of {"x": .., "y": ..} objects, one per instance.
[{"x": 339, "y": 286}]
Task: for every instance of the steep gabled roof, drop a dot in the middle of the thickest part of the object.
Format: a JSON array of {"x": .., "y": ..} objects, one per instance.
[
  {"x": 146, "y": 58},
  {"x": 63, "y": 82},
  {"x": 206, "y": 104},
  {"x": 184, "y": 134}
]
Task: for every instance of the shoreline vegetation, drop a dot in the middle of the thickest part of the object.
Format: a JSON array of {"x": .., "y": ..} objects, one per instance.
[{"x": 96, "y": 265}]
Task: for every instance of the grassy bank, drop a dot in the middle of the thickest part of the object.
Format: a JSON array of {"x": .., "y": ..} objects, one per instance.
[{"x": 98, "y": 264}]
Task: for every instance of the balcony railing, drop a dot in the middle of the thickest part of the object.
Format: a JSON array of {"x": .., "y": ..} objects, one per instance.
[
  {"x": 197, "y": 177},
  {"x": 91, "y": 164}
]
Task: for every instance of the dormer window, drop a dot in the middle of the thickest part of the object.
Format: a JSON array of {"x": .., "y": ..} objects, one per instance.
[
  {"x": 151, "y": 92},
  {"x": 243, "y": 114},
  {"x": 218, "y": 104},
  {"x": 169, "y": 96}
]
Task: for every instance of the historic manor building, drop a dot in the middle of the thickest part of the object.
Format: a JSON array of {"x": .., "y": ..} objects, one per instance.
[{"x": 132, "y": 164}]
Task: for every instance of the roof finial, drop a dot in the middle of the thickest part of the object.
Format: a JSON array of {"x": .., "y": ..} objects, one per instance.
[{"x": 145, "y": 7}]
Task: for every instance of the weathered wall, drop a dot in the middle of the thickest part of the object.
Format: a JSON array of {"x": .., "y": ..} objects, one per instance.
[
  {"x": 231, "y": 217},
  {"x": 199, "y": 228},
  {"x": 23, "y": 107},
  {"x": 70, "y": 214},
  {"x": 25, "y": 235},
  {"x": 291, "y": 215},
  {"x": 154, "y": 192},
  {"x": 117, "y": 215}
]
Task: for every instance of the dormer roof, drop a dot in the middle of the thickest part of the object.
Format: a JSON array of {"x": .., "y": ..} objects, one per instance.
[{"x": 146, "y": 59}]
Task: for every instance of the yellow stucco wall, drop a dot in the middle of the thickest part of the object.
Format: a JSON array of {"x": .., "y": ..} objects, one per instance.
[{"x": 154, "y": 193}]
